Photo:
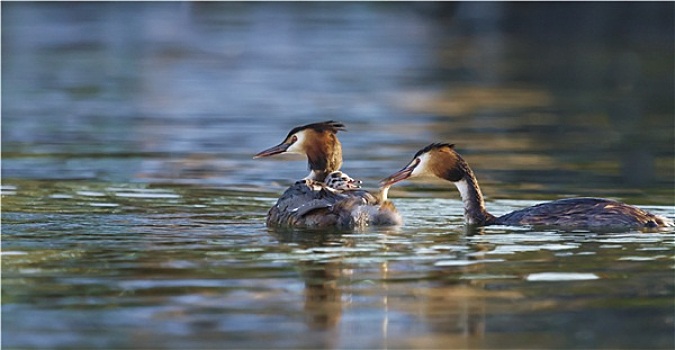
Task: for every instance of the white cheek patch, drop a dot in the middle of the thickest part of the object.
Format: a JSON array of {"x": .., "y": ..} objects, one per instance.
[
  {"x": 421, "y": 168},
  {"x": 298, "y": 145}
]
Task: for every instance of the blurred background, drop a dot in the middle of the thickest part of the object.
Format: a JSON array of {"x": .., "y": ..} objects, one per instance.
[{"x": 542, "y": 99}]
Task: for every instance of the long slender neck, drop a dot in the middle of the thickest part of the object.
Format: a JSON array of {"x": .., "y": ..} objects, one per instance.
[
  {"x": 474, "y": 206},
  {"x": 324, "y": 157},
  {"x": 319, "y": 169}
]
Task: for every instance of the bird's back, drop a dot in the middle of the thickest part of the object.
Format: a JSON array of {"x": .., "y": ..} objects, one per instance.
[
  {"x": 308, "y": 203},
  {"x": 584, "y": 212}
]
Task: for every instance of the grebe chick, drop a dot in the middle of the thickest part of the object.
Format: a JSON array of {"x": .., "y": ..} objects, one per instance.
[
  {"x": 442, "y": 161},
  {"x": 340, "y": 181},
  {"x": 326, "y": 197}
]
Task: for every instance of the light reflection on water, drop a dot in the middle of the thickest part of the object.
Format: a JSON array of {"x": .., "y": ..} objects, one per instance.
[
  {"x": 198, "y": 276},
  {"x": 133, "y": 215}
]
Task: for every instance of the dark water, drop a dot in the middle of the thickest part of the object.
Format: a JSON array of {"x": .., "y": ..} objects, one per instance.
[{"x": 133, "y": 214}]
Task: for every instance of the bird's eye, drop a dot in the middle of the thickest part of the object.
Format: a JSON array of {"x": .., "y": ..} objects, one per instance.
[{"x": 294, "y": 138}]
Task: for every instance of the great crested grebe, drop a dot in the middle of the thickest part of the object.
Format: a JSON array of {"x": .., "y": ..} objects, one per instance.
[
  {"x": 442, "y": 161},
  {"x": 327, "y": 197}
]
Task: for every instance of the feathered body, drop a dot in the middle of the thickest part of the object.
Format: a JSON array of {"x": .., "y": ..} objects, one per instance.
[
  {"x": 312, "y": 204},
  {"x": 583, "y": 213}
]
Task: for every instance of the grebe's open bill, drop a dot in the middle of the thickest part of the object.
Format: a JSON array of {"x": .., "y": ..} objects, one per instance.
[
  {"x": 280, "y": 148},
  {"x": 400, "y": 175}
]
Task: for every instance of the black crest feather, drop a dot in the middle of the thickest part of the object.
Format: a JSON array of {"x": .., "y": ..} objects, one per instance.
[
  {"x": 433, "y": 146},
  {"x": 329, "y": 125}
]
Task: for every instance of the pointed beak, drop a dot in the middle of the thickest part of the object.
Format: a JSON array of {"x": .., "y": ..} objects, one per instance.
[
  {"x": 280, "y": 148},
  {"x": 399, "y": 175}
]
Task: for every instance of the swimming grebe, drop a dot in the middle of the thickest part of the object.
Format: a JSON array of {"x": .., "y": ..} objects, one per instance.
[
  {"x": 442, "y": 161},
  {"x": 326, "y": 197}
]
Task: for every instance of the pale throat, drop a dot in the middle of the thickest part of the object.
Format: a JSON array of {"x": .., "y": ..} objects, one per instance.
[
  {"x": 463, "y": 188},
  {"x": 474, "y": 207},
  {"x": 311, "y": 176}
]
